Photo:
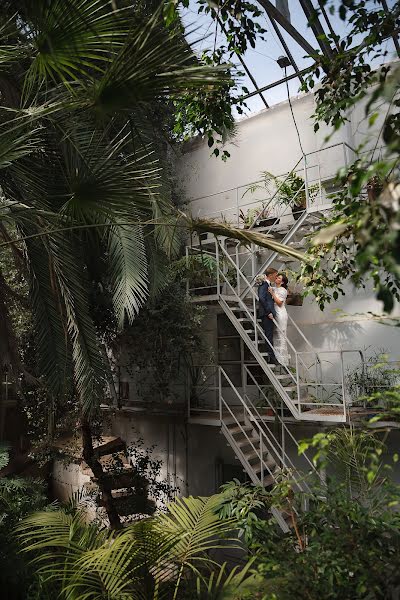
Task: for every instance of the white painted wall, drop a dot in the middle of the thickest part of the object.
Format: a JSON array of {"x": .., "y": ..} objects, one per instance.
[{"x": 268, "y": 141}]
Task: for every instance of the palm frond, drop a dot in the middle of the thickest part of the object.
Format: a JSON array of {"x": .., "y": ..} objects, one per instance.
[
  {"x": 90, "y": 369},
  {"x": 197, "y": 529},
  {"x": 349, "y": 452},
  {"x": 53, "y": 349},
  {"x": 103, "y": 174},
  {"x": 234, "y": 584},
  {"x": 72, "y": 38},
  {"x": 128, "y": 270},
  {"x": 245, "y": 236},
  {"x": 108, "y": 568},
  {"x": 18, "y": 138},
  {"x": 153, "y": 63},
  {"x": 4, "y": 456}
]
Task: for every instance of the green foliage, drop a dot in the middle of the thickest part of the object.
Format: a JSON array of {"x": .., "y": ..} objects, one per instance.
[
  {"x": 161, "y": 557},
  {"x": 160, "y": 342},
  {"x": 360, "y": 241},
  {"x": 208, "y": 114},
  {"x": 18, "y": 497},
  {"x": 248, "y": 505},
  {"x": 364, "y": 381},
  {"x": 211, "y": 116},
  {"x": 347, "y": 74},
  {"x": 82, "y": 157},
  {"x": 345, "y": 546},
  {"x": 348, "y": 552}
]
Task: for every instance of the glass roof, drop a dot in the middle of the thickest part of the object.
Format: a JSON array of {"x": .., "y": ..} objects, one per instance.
[{"x": 204, "y": 32}]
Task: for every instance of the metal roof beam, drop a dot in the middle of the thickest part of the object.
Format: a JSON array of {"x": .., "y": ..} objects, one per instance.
[
  {"x": 395, "y": 35},
  {"x": 279, "y": 82},
  {"x": 315, "y": 24},
  {"x": 275, "y": 14}
]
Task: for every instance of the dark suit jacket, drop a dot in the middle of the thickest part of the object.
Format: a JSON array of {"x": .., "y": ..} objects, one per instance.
[{"x": 267, "y": 304}]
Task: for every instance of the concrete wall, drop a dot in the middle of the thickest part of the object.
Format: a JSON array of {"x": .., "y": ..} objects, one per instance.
[
  {"x": 188, "y": 453},
  {"x": 268, "y": 141}
]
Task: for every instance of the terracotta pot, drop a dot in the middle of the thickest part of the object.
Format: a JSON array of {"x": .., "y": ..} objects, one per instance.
[{"x": 299, "y": 209}]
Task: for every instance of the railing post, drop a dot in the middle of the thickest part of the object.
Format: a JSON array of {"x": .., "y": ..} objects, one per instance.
[
  {"x": 237, "y": 207},
  {"x": 261, "y": 459},
  {"x": 306, "y": 183},
  {"x": 253, "y": 261},
  {"x": 298, "y": 383},
  {"x": 187, "y": 269},
  {"x": 343, "y": 386},
  {"x": 217, "y": 261},
  {"x": 237, "y": 269},
  {"x": 255, "y": 323},
  {"x": 220, "y": 393},
  {"x": 283, "y": 442}
]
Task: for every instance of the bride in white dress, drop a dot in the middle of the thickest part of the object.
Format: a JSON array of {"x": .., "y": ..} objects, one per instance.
[{"x": 279, "y": 294}]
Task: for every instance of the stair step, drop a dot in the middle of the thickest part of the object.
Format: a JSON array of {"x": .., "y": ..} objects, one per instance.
[
  {"x": 247, "y": 441},
  {"x": 237, "y": 429},
  {"x": 119, "y": 480},
  {"x": 268, "y": 480},
  {"x": 108, "y": 462},
  {"x": 248, "y": 319},
  {"x": 293, "y": 388},
  {"x": 128, "y": 504},
  {"x": 253, "y": 456},
  {"x": 108, "y": 445},
  {"x": 229, "y": 420}
]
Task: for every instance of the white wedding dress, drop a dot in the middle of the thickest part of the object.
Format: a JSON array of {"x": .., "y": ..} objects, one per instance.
[{"x": 280, "y": 338}]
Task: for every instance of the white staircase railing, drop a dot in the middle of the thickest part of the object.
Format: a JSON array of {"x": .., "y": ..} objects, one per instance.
[{"x": 261, "y": 454}]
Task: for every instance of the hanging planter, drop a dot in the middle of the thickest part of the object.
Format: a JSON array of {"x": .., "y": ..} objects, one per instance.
[
  {"x": 298, "y": 209},
  {"x": 374, "y": 188},
  {"x": 294, "y": 299}
]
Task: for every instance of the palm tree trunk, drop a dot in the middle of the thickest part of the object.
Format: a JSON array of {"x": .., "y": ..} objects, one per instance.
[{"x": 97, "y": 469}]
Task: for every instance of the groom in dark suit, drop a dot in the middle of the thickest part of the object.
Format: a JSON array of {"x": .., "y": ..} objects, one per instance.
[{"x": 267, "y": 312}]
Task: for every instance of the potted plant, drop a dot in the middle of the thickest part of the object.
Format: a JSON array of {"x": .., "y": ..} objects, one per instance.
[
  {"x": 295, "y": 296},
  {"x": 291, "y": 191},
  {"x": 260, "y": 216}
]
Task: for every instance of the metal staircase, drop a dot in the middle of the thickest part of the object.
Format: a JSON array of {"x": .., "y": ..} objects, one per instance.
[
  {"x": 313, "y": 387},
  {"x": 307, "y": 390},
  {"x": 261, "y": 453}
]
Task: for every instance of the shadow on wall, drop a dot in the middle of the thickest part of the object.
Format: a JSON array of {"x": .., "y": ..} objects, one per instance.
[{"x": 335, "y": 335}]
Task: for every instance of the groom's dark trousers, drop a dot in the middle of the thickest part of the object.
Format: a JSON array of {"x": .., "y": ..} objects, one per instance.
[{"x": 267, "y": 307}]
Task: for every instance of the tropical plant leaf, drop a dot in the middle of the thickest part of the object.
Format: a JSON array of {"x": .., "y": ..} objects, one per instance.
[
  {"x": 128, "y": 271},
  {"x": 197, "y": 529},
  {"x": 72, "y": 39},
  {"x": 234, "y": 584},
  {"x": 4, "y": 456}
]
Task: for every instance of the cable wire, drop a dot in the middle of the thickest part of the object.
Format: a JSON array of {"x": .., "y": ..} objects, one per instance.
[{"x": 291, "y": 110}]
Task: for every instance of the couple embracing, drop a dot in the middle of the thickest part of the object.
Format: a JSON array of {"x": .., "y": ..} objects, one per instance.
[{"x": 272, "y": 296}]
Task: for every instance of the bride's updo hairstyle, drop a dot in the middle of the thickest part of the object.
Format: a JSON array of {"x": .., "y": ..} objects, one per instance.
[{"x": 285, "y": 280}]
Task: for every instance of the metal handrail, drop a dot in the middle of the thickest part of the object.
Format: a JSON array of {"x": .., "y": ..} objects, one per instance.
[
  {"x": 239, "y": 272},
  {"x": 330, "y": 147},
  {"x": 261, "y": 432},
  {"x": 282, "y": 422}
]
